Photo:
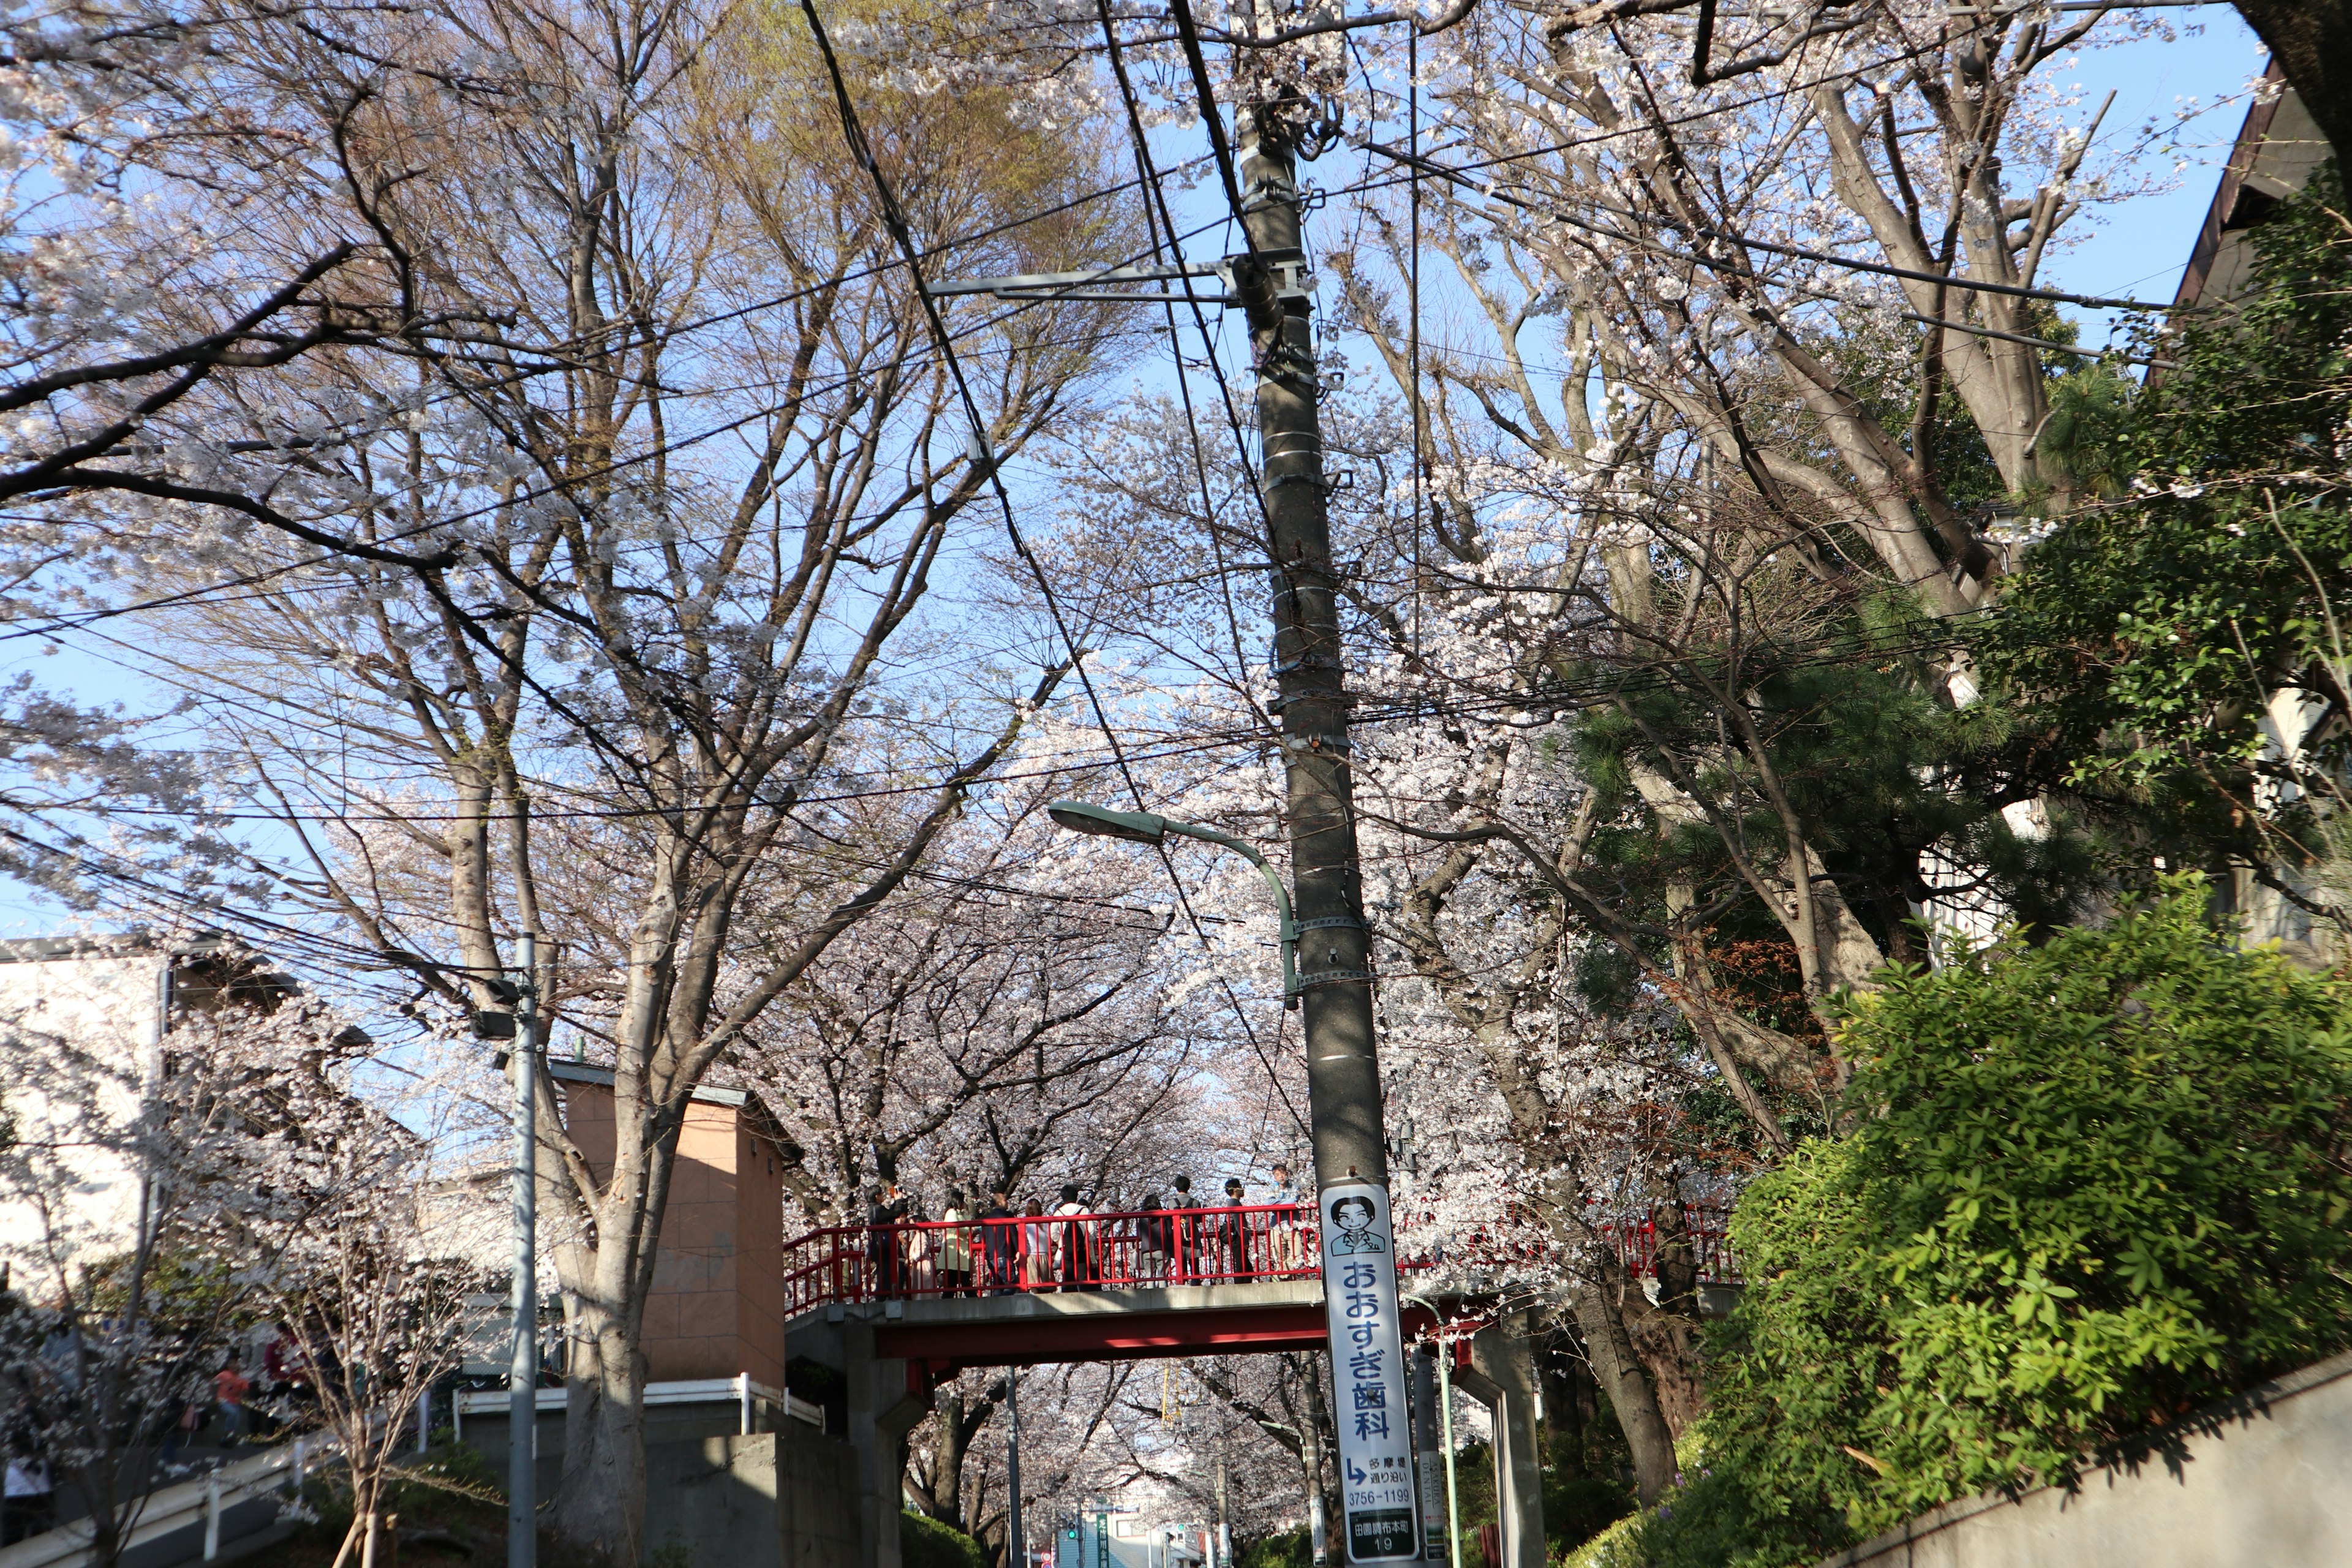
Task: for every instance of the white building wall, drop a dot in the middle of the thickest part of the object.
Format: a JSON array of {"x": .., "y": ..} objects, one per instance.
[{"x": 80, "y": 1036}]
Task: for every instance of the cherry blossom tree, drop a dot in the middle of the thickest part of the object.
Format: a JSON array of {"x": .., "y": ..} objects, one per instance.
[
  {"x": 618, "y": 655},
  {"x": 319, "y": 1199}
]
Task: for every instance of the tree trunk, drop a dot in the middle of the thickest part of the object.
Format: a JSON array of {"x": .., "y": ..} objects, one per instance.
[
  {"x": 1667, "y": 1335},
  {"x": 601, "y": 1498},
  {"x": 947, "y": 1462},
  {"x": 1618, "y": 1369},
  {"x": 1310, "y": 1457}
]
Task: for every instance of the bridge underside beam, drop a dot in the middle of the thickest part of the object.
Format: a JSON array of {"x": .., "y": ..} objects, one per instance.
[{"x": 1124, "y": 1336}]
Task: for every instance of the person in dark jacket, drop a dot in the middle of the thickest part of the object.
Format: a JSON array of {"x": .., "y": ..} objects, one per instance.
[
  {"x": 1232, "y": 1231},
  {"x": 882, "y": 1256},
  {"x": 1076, "y": 1241},
  {"x": 1151, "y": 1243},
  {"x": 1184, "y": 1232},
  {"x": 999, "y": 1238}
]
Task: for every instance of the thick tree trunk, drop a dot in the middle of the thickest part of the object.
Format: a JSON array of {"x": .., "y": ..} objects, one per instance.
[
  {"x": 601, "y": 1502},
  {"x": 1617, "y": 1367},
  {"x": 1667, "y": 1335},
  {"x": 947, "y": 1466}
]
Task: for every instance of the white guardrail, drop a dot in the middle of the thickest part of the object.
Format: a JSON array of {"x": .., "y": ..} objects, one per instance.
[
  {"x": 206, "y": 1499},
  {"x": 746, "y": 1393},
  {"x": 171, "y": 1508}
]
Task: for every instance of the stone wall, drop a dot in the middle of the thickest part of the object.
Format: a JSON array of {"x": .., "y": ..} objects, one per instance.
[{"x": 2263, "y": 1480}]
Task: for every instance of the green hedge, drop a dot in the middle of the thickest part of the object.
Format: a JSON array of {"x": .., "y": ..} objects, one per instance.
[
  {"x": 2094, "y": 1184},
  {"x": 925, "y": 1543}
]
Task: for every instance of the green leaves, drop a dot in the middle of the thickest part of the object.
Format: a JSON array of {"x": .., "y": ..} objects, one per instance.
[
  {"x": 2148, "y": 635},
  {"x": 2096, "y": 1184}
]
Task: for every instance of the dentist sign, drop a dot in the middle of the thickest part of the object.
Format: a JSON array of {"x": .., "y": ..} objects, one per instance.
[{"x": 1370, "y": 1404}]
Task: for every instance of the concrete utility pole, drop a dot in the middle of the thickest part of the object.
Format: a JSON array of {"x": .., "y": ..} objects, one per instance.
[
  {"x": 1334, "y": 947},
  {"x": 1372, "y": 1412},
  {"x": 522, "y": 1371}
]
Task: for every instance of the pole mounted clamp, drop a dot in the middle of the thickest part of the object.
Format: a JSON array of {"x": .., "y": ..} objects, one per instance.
[
  {"x": 1345, "y": 479},
  {"x": 1340, "y": 699},
  {"x": 1333, "y": 977},
  {"x": 1290, "y": 366},
  {"x": 1269, "y": 191},
  {"x": 1333, "y": 922}
]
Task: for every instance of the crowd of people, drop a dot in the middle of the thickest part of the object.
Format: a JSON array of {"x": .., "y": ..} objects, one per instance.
[{"x": 993, "y": 1248}]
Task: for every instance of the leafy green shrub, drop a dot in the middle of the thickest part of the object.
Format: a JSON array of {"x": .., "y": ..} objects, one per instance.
[
  {"x": 925, "y": 1543},
  {"x": 1289, "y": 1550},
  {"x": 2094, "y": 1186}
]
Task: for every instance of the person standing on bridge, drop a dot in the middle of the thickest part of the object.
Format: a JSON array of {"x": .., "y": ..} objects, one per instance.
[
  {"x": 1076, "y": 1241},
  {"x": 1151, "y": 1243},
  {"x": 882, "y": 1238},
  {"x": 955, "y": 1245},
  {"x": 1000, "y": 1242},
  {"x": 1233, "y": 1230},
  {"x": 1036, "y": 1248},
  {"x": 1186, "y": 1223},
  {"x": 1289, "y": 1253}
]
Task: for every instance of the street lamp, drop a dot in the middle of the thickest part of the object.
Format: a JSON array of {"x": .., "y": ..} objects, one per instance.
[{"x": 1144, "y": 827}]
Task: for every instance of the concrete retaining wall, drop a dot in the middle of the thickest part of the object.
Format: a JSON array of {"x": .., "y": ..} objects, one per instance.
[
  {"x": 712, "y": 1497},
  {"x": 716, "y": 1501},
  {"x": 2263, "y": 1480}
]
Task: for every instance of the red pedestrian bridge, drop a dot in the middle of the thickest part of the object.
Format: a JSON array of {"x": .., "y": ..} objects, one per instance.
[
  {"x": 1164, "y": 1283},
  {"x": 888, "y": 1312}
]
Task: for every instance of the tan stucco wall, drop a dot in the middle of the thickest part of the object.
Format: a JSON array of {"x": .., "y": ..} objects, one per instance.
[
  {"x": 2263, "y": 1480},
  {"x": 717, "y": 1306}
]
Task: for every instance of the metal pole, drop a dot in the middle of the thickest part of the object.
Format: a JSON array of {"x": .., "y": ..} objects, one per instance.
[
  {"x": 522, "y": 1371},
  {"x": 1425, "y": 1460},
  {"x": 1224, "y": 1528},
  {"x": 1453, "y": 1497},
  {"x": 1017, "y": 1542}
]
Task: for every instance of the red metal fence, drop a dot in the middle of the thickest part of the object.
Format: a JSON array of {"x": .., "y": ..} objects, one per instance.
[{"x": 919, "y": 1259}]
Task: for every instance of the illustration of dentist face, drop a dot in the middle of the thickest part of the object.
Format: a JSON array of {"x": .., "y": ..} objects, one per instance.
[{"x": 1353, "y": 1216}]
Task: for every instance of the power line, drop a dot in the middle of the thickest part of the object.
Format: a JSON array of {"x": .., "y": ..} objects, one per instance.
[
  {"x": 1157, "y": 194},
  {"x": 896, "y": 220}
]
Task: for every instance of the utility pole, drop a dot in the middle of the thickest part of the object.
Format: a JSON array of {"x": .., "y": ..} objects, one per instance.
[
  {"x": 1335, "y": 948},
  {"x": 1371, "y": 1410},
  {"x": 1016, "y": 1544},
  {"x": 522, "y": 1371},
  {"x": 523, "y": 1368},
  {"x": 1333, "y": 978}
]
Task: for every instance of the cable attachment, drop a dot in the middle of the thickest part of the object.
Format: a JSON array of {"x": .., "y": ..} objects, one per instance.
[
  {"x": 1269, "y": 191},
  {"x": 1322, "y": 133},
  {"x": 1289, "y": 366}
]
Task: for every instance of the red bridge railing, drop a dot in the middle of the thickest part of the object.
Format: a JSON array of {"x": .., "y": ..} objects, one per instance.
[{"x": 913, "y": 1261}]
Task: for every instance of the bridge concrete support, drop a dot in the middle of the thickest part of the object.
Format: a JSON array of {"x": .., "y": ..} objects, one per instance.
[
  {"x": 882, "y": 1409},
  {"x": 1502, "y": 1377},
  {"x": 890, "y": 1354}
]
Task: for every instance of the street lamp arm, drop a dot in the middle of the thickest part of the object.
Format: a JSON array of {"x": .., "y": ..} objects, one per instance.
[{"x": 1145, "y": 827}]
